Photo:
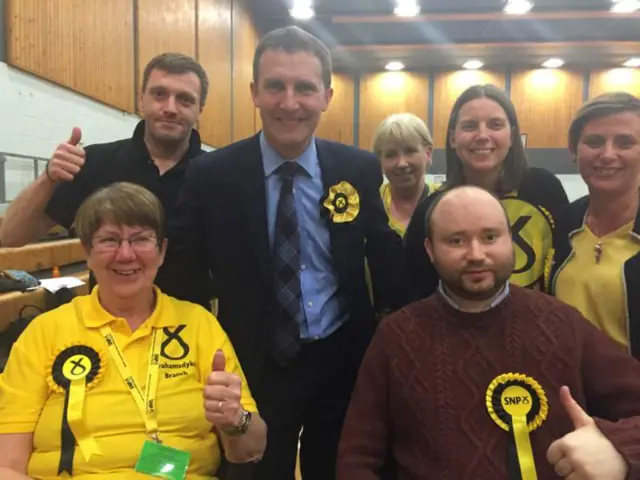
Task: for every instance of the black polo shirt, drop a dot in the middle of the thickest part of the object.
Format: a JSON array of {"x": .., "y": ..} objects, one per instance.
[{"x": 129, "y": 160}]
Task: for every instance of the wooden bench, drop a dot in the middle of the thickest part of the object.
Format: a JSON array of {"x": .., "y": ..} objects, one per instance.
[
  {"x": 35, "y": 257},
  {"x": 11, "y": 303}
]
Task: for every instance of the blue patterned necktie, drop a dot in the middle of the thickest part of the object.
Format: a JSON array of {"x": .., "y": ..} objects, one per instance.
[{"x": 286, "y": 267}]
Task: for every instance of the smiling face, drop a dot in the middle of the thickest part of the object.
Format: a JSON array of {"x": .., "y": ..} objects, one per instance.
[
  {"x": 482, "y": 136},
  {"x": 125, "y": 269},
  {"x": 404, "y": 165},
  {"x": 291, "y": 97},
  {"x": 608, "y": 153}
]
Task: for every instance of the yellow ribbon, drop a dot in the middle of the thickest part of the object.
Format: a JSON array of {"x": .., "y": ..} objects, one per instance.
[
  {"x": 523, "y": 448},
  {"x": 86, "y": 442}
]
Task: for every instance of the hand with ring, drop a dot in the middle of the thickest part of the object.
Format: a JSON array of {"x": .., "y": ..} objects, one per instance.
[{"x": 222, "y": 394}]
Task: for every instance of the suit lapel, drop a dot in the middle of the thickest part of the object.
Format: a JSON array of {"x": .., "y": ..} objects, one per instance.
[
  {"x": 331, "y": 175},
  {"x": 253, "y": 193}
]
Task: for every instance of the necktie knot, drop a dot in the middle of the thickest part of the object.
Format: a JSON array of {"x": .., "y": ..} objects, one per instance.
[{"x": 288, "y": 170}]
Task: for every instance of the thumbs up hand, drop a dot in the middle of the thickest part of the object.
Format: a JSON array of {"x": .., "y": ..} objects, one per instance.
[
  {"x": 222, "y": 394},
  {"x": 67, "y": 160},
  {"x": 585, "y": 453}
]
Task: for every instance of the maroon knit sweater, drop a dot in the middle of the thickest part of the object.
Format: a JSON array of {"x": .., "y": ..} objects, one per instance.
[{"x": 421, "y": 388}]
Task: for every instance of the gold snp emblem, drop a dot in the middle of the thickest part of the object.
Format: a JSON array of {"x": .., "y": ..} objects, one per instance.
[
  {"x": 342, "y": 203},
  {"x": 518, "y": 404},
  {"x": 74, "y": 370}
]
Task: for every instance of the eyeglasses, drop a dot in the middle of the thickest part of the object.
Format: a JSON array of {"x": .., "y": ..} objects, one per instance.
[{"x": 139, "y": 243}]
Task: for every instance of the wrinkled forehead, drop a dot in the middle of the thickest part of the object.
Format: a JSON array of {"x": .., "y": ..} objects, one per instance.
[
  {"x": 109, "y": 225},
  {"x": 289, "y": 67},
  {"x": 175, "y": 83}
]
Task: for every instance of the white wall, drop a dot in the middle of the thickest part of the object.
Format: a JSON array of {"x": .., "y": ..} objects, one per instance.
[{"x": 37, "y": 115}]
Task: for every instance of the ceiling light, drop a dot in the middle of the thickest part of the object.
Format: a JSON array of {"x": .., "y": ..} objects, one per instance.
[
  {"x": 517, "y": 7},
  {"x": 472, "y": 64},
  {"x": 394, "y": 66},
  {"x": 406, "y": 8},
  {"x": 625, "y": 6},
  {"x": 553, "y": 63},
  {"x": 632, "y": 63},
  {"x": 302, "y": 10}
]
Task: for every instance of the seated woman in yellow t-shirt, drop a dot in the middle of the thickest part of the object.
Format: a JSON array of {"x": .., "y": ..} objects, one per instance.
[
  {"x": 404, "y": 146},
  {"x": 125, "y": 382},
  {"x": 596, "y": 261}
]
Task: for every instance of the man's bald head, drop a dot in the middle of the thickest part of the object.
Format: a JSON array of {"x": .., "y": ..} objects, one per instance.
[{"x": 462, "y": 201}]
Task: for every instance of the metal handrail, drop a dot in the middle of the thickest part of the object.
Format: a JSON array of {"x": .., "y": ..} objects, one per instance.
[{"x": 3, "y": 176}]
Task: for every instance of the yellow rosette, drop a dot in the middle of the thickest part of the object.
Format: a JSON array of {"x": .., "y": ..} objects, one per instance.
[
  {"x": 75, "y": 370},
  {"x": 342, "y": 202},
  {"x": 518, "y": 405}
]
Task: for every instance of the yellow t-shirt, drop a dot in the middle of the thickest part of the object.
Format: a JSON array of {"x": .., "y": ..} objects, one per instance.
[
  {"x": 190, "y": 337},
  {"x": 597, "y": 289}
]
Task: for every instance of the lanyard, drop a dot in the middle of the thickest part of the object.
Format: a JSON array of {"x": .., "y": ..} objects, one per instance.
[{"x": 147, "y": 403}]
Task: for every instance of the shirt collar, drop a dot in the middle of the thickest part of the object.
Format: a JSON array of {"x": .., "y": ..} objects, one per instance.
[
  {"x": 93, "y": 314},
  {"x": 271, "y": 159},
  {"x": 497, "y": 299}
]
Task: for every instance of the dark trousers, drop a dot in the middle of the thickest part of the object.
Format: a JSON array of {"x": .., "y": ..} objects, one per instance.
[{"x": 310, "y": 394}]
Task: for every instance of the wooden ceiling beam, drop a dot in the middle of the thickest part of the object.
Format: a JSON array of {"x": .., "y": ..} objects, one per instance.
[
  {"x": 446, "y": 46},
  {"x": 467, "y": 17}
]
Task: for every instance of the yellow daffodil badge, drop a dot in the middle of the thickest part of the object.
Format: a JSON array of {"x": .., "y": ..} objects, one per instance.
[{"x": 342, "y": 203}]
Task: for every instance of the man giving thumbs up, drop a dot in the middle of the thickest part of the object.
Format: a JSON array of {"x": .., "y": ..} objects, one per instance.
[
  {"x": 585, "y": 453},
  {"x": 241, "y": 432},
  {"x": 156, "y": 156}
]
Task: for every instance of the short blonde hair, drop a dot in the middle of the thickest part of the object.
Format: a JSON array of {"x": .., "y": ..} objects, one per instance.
[
  {"x": 122, "y": 203},
  {"x": 405, "y": 128}
]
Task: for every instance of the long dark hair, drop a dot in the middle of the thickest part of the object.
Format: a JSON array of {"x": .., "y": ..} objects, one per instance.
[{"x": 515, "y": 165}]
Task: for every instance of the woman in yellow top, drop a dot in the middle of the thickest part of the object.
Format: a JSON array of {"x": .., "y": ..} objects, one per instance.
[
  {"x": 404, "y": 146},
  {"x": 125, "y": 382},
  {"x": 596, "y": 262}
]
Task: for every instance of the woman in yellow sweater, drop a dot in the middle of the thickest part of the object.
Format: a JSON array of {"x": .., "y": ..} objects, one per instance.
[
  {"x": 125, "y": 382},
  {"x": 596, "y": 260}
]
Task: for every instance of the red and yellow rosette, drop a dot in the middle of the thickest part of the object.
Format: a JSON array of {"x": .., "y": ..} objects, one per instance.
[
  {"x": 342, "y": 202},
  {"x": 74, "y": 370},
  {"x": 518, "y": 404}
]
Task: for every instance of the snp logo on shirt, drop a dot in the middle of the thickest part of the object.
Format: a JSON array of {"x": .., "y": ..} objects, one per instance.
[{"x": 175, "y": 349}]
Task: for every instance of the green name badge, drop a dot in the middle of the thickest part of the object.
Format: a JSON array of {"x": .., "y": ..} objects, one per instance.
[{"x": 161, "y": 461}]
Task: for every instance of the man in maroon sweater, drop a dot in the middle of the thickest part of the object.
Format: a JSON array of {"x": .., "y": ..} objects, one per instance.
[{"x": 478, "y": 381}]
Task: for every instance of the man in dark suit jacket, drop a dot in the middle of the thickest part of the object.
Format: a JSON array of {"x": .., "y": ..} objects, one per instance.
[{"x": 284, "y": 222}]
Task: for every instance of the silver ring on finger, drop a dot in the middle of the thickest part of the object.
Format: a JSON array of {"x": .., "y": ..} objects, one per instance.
[{"x": 220, "y": 404}]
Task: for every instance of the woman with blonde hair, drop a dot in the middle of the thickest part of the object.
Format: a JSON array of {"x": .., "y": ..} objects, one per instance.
[
  {"x": 596, "y": 261},
  {"x": 404, "y": 146}
]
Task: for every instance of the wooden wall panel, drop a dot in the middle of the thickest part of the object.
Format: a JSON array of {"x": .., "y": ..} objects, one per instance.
[
  {"x": 245, "y": 39},
  {"x": 616, "y": 79},
  {"x": 337, "y": 122},
  {"x": 86, "y": 45},
  {"x": 448, "y": 87},
  {"x": 546, "y": 101},
  {"x": 383, "y": 94},
  {"x": 165, "y": 26},
  {"x": 214, "y": 54}
]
